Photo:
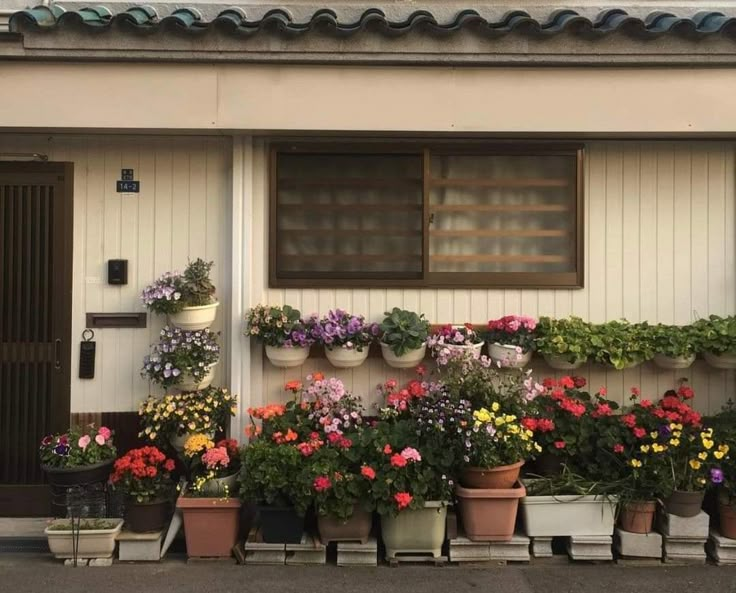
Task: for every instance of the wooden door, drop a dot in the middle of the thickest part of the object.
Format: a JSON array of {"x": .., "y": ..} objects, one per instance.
[{"x": 35, "y": 324}]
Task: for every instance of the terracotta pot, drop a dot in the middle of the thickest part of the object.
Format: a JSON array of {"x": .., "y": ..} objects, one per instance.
[
  {"x": 356, "y": 528},
  {"x": 280, "y": 525},
  {"x": 415, "y": 531},
  {"x": 141, "y": 517},
  {"x": 727, "y": 512},
  {"x": 489, "y": 515},
  {"x": 684, "y": 504},
  {"x": 504, "y": 476},
  {"x": 638, "y": 516},
  {"x": 211, "y": 525},
  {"x": 548, "y": 464}
]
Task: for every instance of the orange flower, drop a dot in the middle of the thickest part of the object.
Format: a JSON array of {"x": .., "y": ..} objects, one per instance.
[
  {"x": 293, "y": 386},
  {"x": 290, "y": 436},
  {"x": 317, "y": 376},
  {"x": 267, "y": 412}
]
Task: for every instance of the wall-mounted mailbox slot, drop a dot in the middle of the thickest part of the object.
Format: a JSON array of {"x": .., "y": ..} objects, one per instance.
[{"x": 104, "y": 320}]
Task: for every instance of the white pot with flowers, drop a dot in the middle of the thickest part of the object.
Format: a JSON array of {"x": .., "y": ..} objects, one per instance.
[
  {"x": 511, "y": 340},
  {"x": 347, "y": 338},
  {"x": 286, "y": 336},
  {"x": 456, "y": 340}
]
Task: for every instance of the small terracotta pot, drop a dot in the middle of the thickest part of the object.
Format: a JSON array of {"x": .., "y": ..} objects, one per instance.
[
  {"x": 684, "y": 504},
  {"x": 356, "y": 528},
  {"x": 638, "y": 516},
  {"x": 280, "y": 525},
  {"x": 211, "y": 525},
  {"x": 489, "y": 514},
  {"x": 142, "y": 517},
  {"x": 727, "y": 514},
  {"x": 504, "y": 476}
]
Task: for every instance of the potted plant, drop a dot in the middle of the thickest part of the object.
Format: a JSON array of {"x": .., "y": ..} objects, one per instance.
[
  {"x": 674, "y": 346},
  {"x": 404, "y": 338},
  {"x": 724, "y": 478},
  {"x": 568, "y": 505},
  {"x": 286, "y": 336},
  {"x": 564, "y": 343},
  {"x": 620, "y": 344},
  {"x": 143, "y": 476},
  {"x": 172, "y": 419},
  {"x": 511, "y": 340},
  {"x": 213, "y": 467},
  {"x": 346, "y": 338},
  {"x": 450, "y": 339},
  {"x": 80, "y": 456},
  {"x": 88, "y": 538},
  {"x": 183, "y": 359},
  {"x": 188, "y": 299},
  {"x": 718, "y": 341},
  {"x": 211, "y": 516}
]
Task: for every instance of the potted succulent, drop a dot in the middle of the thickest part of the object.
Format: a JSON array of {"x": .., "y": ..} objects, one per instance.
[
  {"x": 450, "y": 339},
  {"x": 79, "y": 456},
  {"x": 564, "y": 343},
  {"x": 674, "y": 346},
  {"x": 718, "y": 341},
  {"x": 404, "y": 338},
  {"x": 143, "y": 475},
  {"x": 511, "y": 340},
  {"x": 88, "y": 538},
  {"x": 620, "y": 344},
  {"x": 174, "y": 418},
  {"x": 286, "y": 336},
  {"x": 346, "y": 338},
  {"x": 188, "y": 299},
  {"x": 183, "y": 359}
]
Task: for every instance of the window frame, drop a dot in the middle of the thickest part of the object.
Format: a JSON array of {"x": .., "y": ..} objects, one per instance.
[{"x": 425, "y": 150}]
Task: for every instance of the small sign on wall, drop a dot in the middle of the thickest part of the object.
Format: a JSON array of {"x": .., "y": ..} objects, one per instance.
[{"x": 127, "y": 183}]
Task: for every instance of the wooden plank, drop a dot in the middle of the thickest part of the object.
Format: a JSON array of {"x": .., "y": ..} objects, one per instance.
[
  {"x": 352, "y": 183},
  {"x": 382, "y": 208},
  {"x": 501, "y": 233},
  {"x": 519, "y": 182},
  {"x": 500, "y": 208},
  {"x": 501, "y": 258}
]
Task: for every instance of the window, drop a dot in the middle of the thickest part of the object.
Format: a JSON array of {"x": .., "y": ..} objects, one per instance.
[{"x": 445, "y": 215}]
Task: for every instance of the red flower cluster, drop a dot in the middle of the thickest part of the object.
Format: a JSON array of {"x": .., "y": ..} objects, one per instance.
[
  {"x": 673, "y": 407},
  {"x": 403, "y": 499},
  {"x": 145, "y": 462},
  {"x": 322, "y": 483},
  {"x": 368, "y": 472},
  {"x": 231, "y": 446},
  {"x": 398, "y": 461},
  {"x": 510, "y": 324},
  {"x": 601, "y": 410},
  {"x": 313, "y": 444},
  {"x": 400, "y": 399},
  {"x": 570, "y": 405},
  {"x": 538, "y": 425},
  {"x": 339, "y": 441}
]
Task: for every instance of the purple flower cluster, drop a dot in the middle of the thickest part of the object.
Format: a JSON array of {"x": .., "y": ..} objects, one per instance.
[
  {"x": 179, "y": 351},
  {"x": 341, "y": 329},
  {"x": 164, "y": 295}
]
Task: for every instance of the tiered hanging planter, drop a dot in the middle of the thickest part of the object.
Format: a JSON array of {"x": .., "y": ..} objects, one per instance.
[
  {"x": 195, "y": 318},
  {"x": 287, "y": 358},
  {"x": 189, "y": 383}
]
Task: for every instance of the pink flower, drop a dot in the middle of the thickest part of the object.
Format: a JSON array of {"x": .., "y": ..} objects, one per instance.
[
  {"x": 84, "y": 441},
  {"x": 322, "y": 483},
  {"x": 398, "y": 461},
  {"x": 368, "y": 472},
  {"x": 216, "y": 456},
  {"x": 411, "y": 454},
  {"x": 559, "y": 444},
  {"x": 105, "y": 432},
  {"x": 403, "y": 499},
  {"x": 100, "y": 440}
]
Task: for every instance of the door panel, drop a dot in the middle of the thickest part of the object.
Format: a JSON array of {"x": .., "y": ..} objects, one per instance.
[{"x": 35, "y": 324}]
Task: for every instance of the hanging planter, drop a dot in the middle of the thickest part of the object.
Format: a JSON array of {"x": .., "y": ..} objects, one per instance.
[
  {"x": 195, "y": 318},
  {"x": 95, "y": 538},
  {"x": 504, "y": 476},
  {"x": 356, "y": 528},
  {"x": 638, "y": 516},
  {"x": 287, "y": 358},
  {"x": 211, "y": 525},
  {"x": 474, "y": 349},
  {"x": 409, "y": 360},
  {"x": 673, "y": 362},
  {"x": 344, "y": 358},
  {"x": 190, "y": 383},
  {"x": 404, "y": 338},
  {"x": 562, "y": 363},
  {"x": 509, "y": 356},
  {"x": 489, "y": 514},
  {"x": 726, "y": 360},
  {"x": 415, "y": 531}
]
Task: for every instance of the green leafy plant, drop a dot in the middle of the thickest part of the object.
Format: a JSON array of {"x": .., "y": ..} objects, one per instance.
[
  {"x": 717, "y": 334},
  {"x": 569, "y": 338},
  {"x": 674, "y": 341},
  {"x": 173, "y": 291},
  {"x": 197, "y": 288},
  {"x": 280, "y": 327},
  {"x": 621, "y": 344},
  {"x": 404, "y": 331},
  {"x": 568, "y": 483}
]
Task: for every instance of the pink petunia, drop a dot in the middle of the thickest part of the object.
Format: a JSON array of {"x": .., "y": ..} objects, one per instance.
[
  {"x": 84, "y": 441},
  {"x": 100, "y": 440},
  {"x": 105, "y": 432}
]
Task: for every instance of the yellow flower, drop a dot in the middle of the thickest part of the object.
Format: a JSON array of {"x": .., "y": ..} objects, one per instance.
[
  {"x": 197, "y": 443},
  {"x": 495, "y": 407},
  {"x": 708, "y": 444},
  {"x": 644, "y": 448},
  {"x": 658, "y": 448},
  {"x": 528, "y": 433},
  {"x": 538, "y": 447},
  {"x": 500, "y": 421},
  {"x": 675, "y": 442},
  {"x": 654, "y": 434},
  {"x": 510, "y": 418},
  {"x": 676, "y": 434},
  {"x": 718, "y": 454},
  {"x": 482, "y": 415},
  {"x": 635, "y": 463},
  {"x": 703, "y": 455},
  {"x": 514, "y": 428},
  {"x": 695, "y": 464},
  {"x": 723, "y": 449}
]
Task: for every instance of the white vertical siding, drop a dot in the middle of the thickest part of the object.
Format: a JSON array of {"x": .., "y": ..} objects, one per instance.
[
  {"x": 180, "y": 213},
  {"x": 659, "y": 246}
]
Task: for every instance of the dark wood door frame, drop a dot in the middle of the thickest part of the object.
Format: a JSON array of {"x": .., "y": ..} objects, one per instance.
[{"x": 35, "y": 349}]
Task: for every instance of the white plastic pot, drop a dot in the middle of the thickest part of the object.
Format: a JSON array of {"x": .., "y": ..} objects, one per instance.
[
  {"x": 474, "y": 349},
  {"x": 287, "y": 358},
  {"x": 508, "y": 356},
  {"x": 727, "y": 360},
  {"x": 189, "y": 383},
  {"x": 93, "y": 543},
  {"x": 343, "y": 358},
  {"x": 415, "y": 531},
  {"x": 670, "y": 362},
  {"x": 195, "y": 318},
  {"x": 566, "y": 515},
  {"x": 409, "y": 360},
  {"x": 561, "y": 363}
]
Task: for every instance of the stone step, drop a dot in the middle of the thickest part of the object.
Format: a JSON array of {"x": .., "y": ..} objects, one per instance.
[
  {"x": 695, "y": 528},
  {"x": 590, "y": 547},
  {"x": 721, "y": 550},
  {"x": 638, "y": 545},
  {"x": 357, "y": 554}
]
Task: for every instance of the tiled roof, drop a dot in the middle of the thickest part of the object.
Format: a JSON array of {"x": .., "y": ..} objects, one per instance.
[{"x": 326, "y": 21}]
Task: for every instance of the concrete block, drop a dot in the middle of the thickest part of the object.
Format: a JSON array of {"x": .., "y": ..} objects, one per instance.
[
  {"x": 721, "y": 550},
  {"x": 584, "y": 547},
  {"x": 140, "y": 547},
  {"x": 357, "y": 554},
  {"x": 542, "y": 547},
  {"x": 100, "y": 562},
  {"x": 515, "y": 550},
  {"x": 80, "y": 562},
  {"x": 309, "y": 551},
  {"x": 638, "y": 545},
  {"x": 685, "y": 527},
  {"x": 684, "y": 550},
  {"x": 259, "y": 553},
  {"x": 464, "y": 550}
]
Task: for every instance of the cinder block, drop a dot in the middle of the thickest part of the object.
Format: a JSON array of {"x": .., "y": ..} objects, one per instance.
[
  {"x": 140, "y": 547},
  {"x": 309, "y": 551},
  {"x": 638, "y": 545},
  {"x": 464, "y": 550},
  {"x": 685, "y": 527},
  {"x": 542, "y": 547},
  {"x": 721, "y": 550},
  {"x": 514, "y": 550},
  {"x": 357, "y": 554},
  {"x": 590, "y": 547}
]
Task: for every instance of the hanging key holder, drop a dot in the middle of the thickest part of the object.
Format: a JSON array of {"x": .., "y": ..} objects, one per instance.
[{"x": 87, "y": 349}]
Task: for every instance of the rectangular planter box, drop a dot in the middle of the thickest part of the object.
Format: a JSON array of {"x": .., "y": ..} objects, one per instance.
[
  {"x": 568, "y": 515},
  {"x": 93, "y": 543}
]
